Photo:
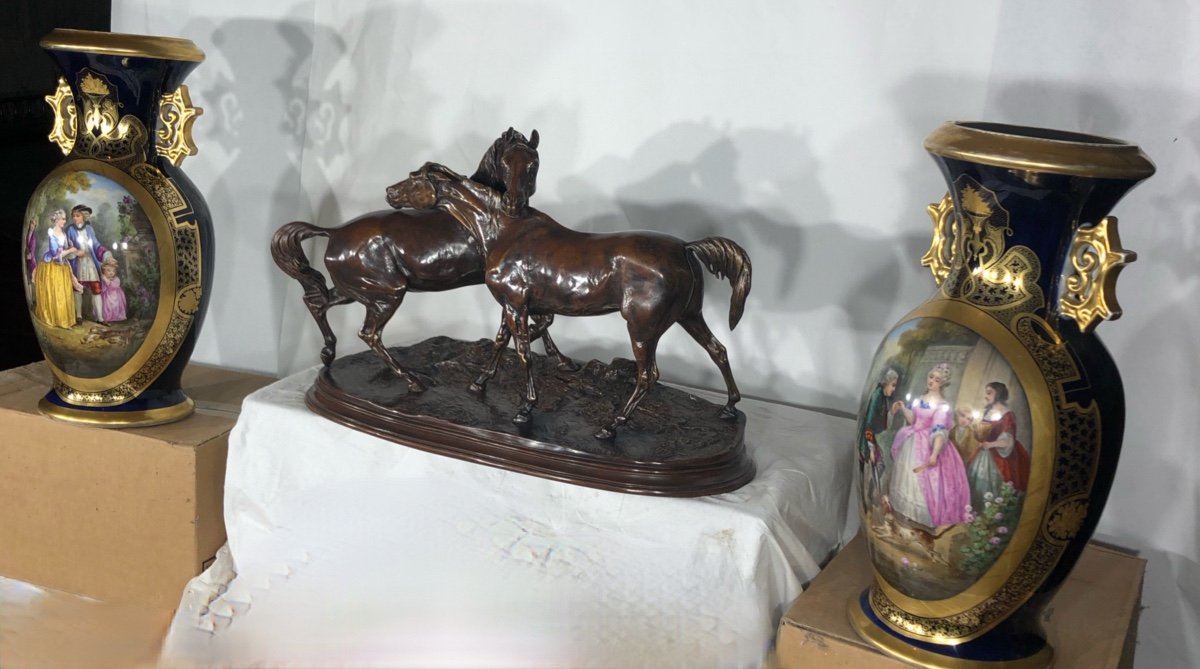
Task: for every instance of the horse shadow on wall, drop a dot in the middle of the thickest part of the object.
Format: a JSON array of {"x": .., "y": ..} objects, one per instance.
[{"x": 762, "y": 189}]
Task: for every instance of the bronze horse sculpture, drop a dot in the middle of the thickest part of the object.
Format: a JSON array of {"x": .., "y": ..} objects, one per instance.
[
  {"x": 379, "y": 257},
  {"x": 535, "y": 267}
]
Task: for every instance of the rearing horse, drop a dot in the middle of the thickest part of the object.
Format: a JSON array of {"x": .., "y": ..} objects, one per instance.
[
  {"x": 536, "y": 267},
  {"x": 377, "y": 258}
]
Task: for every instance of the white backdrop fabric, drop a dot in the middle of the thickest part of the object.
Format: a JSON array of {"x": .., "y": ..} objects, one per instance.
[
  {"x": 793, "y": 127},
  {"x": 348, "y": 550}
]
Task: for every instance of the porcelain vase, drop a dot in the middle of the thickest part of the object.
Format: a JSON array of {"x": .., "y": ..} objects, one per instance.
[
  {"x": 118, "y": 241},
  {"x": 992, "y": 417}
]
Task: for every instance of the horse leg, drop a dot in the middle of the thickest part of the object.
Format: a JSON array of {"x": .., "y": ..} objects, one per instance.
[
  {"x": 695, "y": 326},
  {"x": 541, "y": 329},
  {"x": 517, "y": 319},
  {"x": 647, "y": 376},
  {"x": 318, "y": 306},
  {"x": 378, "y": 313},
  {"x": 498, "y": 346}
]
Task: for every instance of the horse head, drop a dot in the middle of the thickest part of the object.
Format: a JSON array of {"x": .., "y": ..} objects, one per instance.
[
  {"x": 417, "y": 191},
  {"x": 510, "y": 168}
]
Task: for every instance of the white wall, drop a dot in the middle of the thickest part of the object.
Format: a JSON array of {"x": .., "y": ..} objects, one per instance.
[{"x": 792, "y": 127}]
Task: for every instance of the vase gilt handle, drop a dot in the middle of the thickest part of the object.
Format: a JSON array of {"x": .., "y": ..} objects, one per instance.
[
  {"x": 175, "y": 112},
  {"x": 1096, "y": 258},
  {"x": 63, "y": 104},
  {"x": 176, "y": 115},
  {"x": 945, "y": 231}
]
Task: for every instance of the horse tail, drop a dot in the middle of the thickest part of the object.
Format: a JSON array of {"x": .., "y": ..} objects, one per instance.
[
  {"x": 286, "y": 250},
  {"x": 724, "y": 258}
]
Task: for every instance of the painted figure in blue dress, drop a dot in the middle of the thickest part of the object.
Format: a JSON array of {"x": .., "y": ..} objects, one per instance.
[{"x": 53, "y": 283}]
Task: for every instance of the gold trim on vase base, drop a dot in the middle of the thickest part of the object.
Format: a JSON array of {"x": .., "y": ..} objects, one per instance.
[
  {"x": 118, "y": 419},
  {"x": 1039, "y": 150},
  {"x": 889, "y": 644},
  {"x": 121, "y": 44}
]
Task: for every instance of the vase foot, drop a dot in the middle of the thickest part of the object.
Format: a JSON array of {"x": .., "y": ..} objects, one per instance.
[
  {"x": 987, "y": 652},
  {"x": 149, "y": 408}
]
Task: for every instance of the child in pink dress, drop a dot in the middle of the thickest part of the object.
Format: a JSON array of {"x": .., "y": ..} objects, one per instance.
[{"x": 112, "y": 296}]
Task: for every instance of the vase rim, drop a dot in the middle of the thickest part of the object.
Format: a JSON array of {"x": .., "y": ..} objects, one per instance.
[
  {"x": 122, "y": 44},
  {"x": 1039, "y": 150}
]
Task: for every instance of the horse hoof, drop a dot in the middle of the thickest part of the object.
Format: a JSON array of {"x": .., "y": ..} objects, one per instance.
[
  {"x": 522, "y": 418},
  {"x": 476, "y": 388},
  {"x": 605, "y": 434},
  {"x": 327, "y": 356},
  {"x": 728, "y": 413},
  {"x": 568, "y": 365},
  {"x": 416, "y": 387}
]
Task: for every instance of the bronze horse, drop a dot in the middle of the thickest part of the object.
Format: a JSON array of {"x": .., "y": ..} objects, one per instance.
[
  {"x": 536, "y": 267},
  {"x": 377, "y": 258}
]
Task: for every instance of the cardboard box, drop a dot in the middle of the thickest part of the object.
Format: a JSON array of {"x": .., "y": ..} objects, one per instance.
[
  {"x": 1091, "y": 622},
  {"x": 116, "y": 515}
]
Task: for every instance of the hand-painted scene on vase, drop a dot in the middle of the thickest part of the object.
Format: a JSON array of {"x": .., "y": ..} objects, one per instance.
[
  {"x": 943, "y": 447},
  {"x": 91, "y": 272}
]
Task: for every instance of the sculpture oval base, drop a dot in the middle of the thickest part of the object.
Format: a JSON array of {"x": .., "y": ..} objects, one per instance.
[{"x": 676, "y": 445}]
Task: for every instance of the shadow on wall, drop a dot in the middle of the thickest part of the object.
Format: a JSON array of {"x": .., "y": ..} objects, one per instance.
[
  {"x": 801, "y": 266},
  {"x": 251, "y": 104},
  {"x": 281, "y": 96},
  {"x": 1160, "y": 219}
]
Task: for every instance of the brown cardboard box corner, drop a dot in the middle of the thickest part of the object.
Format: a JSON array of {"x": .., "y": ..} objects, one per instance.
[
  {"x": 1091, "y": 622},
  {"x": 117, "y": 515}
]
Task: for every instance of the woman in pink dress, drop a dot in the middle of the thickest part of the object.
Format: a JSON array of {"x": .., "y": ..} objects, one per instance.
[
  {"x": 112, "y": 296},
  {"x": 929, "y": 481}
]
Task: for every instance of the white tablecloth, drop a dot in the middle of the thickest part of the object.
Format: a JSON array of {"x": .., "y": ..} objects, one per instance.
[{"x": 348, "y": 550}]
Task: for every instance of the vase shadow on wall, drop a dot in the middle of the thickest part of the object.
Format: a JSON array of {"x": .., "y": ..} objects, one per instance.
[
  {"x": 281, "y": 95},
  {"x": 1162, "y": 282}
]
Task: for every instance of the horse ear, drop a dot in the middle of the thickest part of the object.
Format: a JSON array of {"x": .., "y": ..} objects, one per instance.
[{"x": 534, "y": 139}]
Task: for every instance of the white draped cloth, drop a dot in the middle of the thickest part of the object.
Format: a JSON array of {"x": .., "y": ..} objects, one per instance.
[{"x": 348, "y": 550}]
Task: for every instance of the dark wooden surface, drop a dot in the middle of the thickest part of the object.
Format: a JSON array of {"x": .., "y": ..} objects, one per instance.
[{"x": 676, "y": 445}]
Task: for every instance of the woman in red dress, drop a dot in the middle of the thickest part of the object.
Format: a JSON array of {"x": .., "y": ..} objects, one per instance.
[{"x": 999, "y": 437}]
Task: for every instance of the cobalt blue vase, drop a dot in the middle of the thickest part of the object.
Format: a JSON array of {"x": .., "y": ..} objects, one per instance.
[
  {"x": 992, "y": 417},
  {"x": 118, "y": 241}
]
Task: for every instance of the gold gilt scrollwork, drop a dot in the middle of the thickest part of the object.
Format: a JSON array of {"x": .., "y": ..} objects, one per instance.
[
  {"x": 971, "y": 238},
  {"x": 945, "y": 231},
  {"x": 1064, "y": 520},
  {"x": 176, "y": 115},
  {"x": 984, "y": 227},
  {"x": 63, "y": 104},
  {"x": 1091, "y": 287},
  {"x": 106, "y": 134}
]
